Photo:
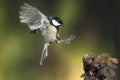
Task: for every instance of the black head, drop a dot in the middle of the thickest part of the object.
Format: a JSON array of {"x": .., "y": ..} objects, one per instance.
[{"x": 55, "y": 21}]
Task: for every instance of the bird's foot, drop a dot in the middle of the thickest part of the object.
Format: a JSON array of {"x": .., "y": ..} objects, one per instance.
[{"x": 68, "y": 40}]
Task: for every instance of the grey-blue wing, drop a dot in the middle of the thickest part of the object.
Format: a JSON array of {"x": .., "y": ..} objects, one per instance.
[{"x": 32, "y": 17}]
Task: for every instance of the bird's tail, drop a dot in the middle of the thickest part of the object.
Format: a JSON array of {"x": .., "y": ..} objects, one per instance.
[{"x": 44, "y": 53}]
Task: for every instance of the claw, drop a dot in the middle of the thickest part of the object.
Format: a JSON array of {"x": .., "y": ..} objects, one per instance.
[{"x": 67, "y": 41}]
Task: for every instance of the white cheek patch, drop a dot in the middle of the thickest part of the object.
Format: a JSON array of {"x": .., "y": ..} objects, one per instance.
[{"x": 55, "y": 23}]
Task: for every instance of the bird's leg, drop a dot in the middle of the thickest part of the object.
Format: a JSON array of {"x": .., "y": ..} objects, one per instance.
[
  {"x": 44, "y": 53},
  {"x": 66, "y": 41}
]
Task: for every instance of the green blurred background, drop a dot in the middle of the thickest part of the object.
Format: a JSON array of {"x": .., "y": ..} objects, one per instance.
[{"x": 94, "y": 22}]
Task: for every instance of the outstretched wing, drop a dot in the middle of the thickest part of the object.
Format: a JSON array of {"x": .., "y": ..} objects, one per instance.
[{"x": 32, "y": 17}]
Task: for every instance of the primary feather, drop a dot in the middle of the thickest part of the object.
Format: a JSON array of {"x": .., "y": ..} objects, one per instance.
[{"x": 32, "y": 17}]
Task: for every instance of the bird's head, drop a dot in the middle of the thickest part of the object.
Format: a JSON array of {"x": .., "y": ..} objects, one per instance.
[{"x": 55, "y": 21}]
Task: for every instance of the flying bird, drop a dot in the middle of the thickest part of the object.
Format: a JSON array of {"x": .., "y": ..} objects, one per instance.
[{"x": 47, "y": 25}]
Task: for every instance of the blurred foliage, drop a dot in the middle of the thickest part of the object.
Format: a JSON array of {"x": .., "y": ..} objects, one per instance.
[
  {"x": 99, "y": 67},
  {"x": 95, "y": 22}
]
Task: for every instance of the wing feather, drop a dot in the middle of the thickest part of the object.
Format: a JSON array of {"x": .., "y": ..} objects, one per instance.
[{"x": 32, "y": 17}]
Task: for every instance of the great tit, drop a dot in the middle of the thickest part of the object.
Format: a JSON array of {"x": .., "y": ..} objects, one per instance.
[{"x": 48, "y": 25}]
